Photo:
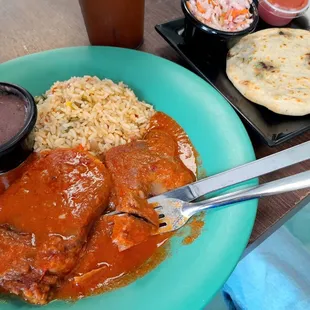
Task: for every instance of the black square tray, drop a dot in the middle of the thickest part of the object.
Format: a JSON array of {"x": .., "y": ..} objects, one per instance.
[{"x": 210, "y": 63}]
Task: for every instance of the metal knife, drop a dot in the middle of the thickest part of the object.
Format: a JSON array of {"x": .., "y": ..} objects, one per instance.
[{"x": 239, "y": 174}]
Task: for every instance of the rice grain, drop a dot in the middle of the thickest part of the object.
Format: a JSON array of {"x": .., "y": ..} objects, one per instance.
[{"x": 96, "y": 114}]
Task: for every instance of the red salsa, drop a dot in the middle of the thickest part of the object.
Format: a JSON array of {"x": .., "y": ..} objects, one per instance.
[
  {"x": 290, "y": 4},
  {"x": 281, "y": 12}
]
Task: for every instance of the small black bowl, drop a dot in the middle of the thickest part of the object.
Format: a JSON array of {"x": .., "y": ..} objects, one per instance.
[
  {"x": 193, "y": 24},
  {"x": 18, "y": 148}
]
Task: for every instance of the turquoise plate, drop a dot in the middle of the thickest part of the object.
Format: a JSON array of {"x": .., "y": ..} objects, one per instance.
[{"x": 192, "y": 274}]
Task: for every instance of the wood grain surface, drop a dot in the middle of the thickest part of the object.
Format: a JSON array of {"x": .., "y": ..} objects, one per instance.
[{"x": 37, "y": 25}]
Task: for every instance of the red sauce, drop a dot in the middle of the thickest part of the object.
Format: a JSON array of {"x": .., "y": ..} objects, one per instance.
[
  {"x": 186, "y": 151},
  {"x": 196, "y": 225},
  {"x": 45, "y": 217},
  {"x": 62, "y": 201},
  {"x": 103, "y": 267},
  {"x": 289, "y": 4},
  {"x": 281, "y": 12}
]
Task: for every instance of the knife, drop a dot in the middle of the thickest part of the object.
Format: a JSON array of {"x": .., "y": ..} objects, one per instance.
[{"x": 239, "y": 174}]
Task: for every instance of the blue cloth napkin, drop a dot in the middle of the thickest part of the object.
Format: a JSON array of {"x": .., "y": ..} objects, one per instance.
[{"x": 276, "y": 275}]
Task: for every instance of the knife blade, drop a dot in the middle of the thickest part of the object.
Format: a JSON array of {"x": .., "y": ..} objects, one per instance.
[{"x": 239, "y": 174}]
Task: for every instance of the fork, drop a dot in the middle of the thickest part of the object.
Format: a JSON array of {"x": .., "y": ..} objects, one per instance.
[{"x": 175, "y": 213}]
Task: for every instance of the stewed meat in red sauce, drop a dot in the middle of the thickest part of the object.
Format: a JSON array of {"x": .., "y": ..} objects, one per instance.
[
  {"x": 12, "y": 116},
  {"x": 53, "y": 242},
  {"x": 45, "y": 218},
  {"x": 119, "y": 245},
  {"x": 142, "y": 169}
]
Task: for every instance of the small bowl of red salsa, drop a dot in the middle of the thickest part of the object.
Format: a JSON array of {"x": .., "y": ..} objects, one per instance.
[
  {"x": 18, "y": 114},
  {"x": 281, "y": 12}
]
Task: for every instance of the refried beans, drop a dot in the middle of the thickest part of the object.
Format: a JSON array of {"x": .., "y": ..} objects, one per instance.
[{"x": 12, "y": 116}]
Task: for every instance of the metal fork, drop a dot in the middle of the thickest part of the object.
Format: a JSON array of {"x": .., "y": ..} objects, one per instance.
[{"x": 174, "y": 213}]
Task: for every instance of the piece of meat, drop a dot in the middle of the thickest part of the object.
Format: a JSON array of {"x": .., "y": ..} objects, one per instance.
[
  {"x": 186, "y": 151},
  {"x": 45, "y": 217},
  {"x": 142, "y": 169},
  {"x": 146, "y": 168},
  {"x": 103, "y": 267},
  {"x": 128, "y": 165},
  {"x": 129, "y": 231},
  {"x": 17, "y": 255}
]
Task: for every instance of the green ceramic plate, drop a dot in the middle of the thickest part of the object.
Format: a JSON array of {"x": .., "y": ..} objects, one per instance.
[{"x": 191, "y": 276}]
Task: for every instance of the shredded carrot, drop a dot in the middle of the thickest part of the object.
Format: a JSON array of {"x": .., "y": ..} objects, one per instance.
[
  {"x": 225, "y": 17},
  {"x": 200, "y": 8},
  {"x": 236, "y": 13},
  {"x": 227, "y": 14}
]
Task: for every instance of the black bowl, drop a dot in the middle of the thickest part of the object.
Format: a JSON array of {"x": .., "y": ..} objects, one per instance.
[
  {"x": 193, "y": 24},
  {"x": 18, "y": 148}
]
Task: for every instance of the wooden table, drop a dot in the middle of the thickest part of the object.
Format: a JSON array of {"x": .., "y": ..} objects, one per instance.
[{"x": 37, "y": 25}]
